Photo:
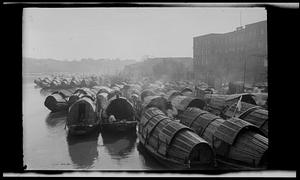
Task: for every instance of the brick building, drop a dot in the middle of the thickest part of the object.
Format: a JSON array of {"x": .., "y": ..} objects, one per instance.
[{"x": 223, "y": 57}]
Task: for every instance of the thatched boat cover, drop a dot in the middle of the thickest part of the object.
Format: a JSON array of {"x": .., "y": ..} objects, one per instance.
[
  {"x": 247, "y": 97},
  {"x": 157, "y": 101},
  {"x": 183, "y": 102},
  {"x": 146, "y": 93},
  {"x": 82, "y": 111},
  {"x": 121, "y": 108},
  {"x": 173, "y": 93}
]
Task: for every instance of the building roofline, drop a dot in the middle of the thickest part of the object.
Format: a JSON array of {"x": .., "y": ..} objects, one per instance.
[
  {"x": 259, "y": 22},
  {"x": 211, "y": 34}
]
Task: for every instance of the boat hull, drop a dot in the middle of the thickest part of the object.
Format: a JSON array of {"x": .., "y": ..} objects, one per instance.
[
  {"x": 119, "y": 126},
  {"x": 79, "y": 130},
  {"x": 224, "y": 164},
  {"x": 172, "y": 143},
  {"x": 171, "y": 164}
]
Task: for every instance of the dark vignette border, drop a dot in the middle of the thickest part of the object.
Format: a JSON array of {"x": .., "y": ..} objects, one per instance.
[{"x": 282, "y": 32}]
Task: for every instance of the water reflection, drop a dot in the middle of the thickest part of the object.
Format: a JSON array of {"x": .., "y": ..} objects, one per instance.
[
  {"x": 83, "y": 150},
  {"x": 55, "y": 119},
  {"x": 119, "y": 145},
  {"x": 148, "y": 159}
]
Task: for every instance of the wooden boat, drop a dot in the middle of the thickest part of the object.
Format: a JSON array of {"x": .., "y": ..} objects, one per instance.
[
  {"x": 79, "y": 93},
  {"x": 56, "y": 102},
  {"x": 55, "y": 84},
  {"x": 123, "y": 115},
  {"x": 183, "y": 102},
  {"x": 255, "y": 115},
  {"x": 187, "y": 91},
  {"x": 149, "y": 160},
  {"x": 172, "y": 143},
  {"x": 114, "y": 93},
  {"x": 246, "y": 97},
  {"x": 56, "y": 118},
  {"x": 259, "y": 117},
  {"x": 38, "y": 82},
  {"x": 68, "y": 92},
  {"x": 137, "y": 105},
  {"x": 74, "y": 83},
  {"x": 45, "y": 83},
  {"x": 200, "y": 92},
  {"x": 237, "y": 143},
  {"x": 146, "y": 93},
  {"x": 65, "y": 84},
  {"x": 232, "y": 110},
  {"x": 102, "y": 89},
  {"x": 216, "y": 103},
  {"x": 129, "y": 90},
  {"x": 261, "y": 99},
  {"x": 156, "y": 101},
  {"x": 82, "y": 116},
  {"x": 83, "y": 83},
  {"x": 173, "y": 93}
]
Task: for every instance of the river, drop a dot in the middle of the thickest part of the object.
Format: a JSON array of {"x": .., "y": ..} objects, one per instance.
[{"x": 46, "y": 145}]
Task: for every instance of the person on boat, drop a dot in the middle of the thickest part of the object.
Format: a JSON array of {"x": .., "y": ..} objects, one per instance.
[
  {"x": 111, "y": 119},
  {"x": 81, "y": 112},
  {"x": 98, "y": 106}
]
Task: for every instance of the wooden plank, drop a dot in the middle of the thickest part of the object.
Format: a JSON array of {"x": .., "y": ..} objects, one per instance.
[
  {"x": 249, "y": 147},
  {"x": 204, "y": 120},
  {"x": 210, "y": 130},
  {"x": 230, "y": 128},
  {"x": 167, "y": 137}
]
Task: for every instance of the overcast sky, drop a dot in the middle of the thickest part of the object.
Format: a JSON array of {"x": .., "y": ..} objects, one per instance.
[{"x": 125, "y": 33}]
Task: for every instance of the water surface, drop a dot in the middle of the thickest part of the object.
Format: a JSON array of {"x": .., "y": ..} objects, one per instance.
[{"x": 46, "y": 145}]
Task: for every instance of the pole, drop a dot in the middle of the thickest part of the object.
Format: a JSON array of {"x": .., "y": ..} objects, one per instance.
[
  {"x": 237, "y": 106},
  {"x": 242, "y": 50},
  {"x": 244, "y": 74},
  {"x": 234, "y": 111}
]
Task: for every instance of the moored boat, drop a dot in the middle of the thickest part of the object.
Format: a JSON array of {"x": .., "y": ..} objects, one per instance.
[
  {"x": 56, "y": 102},
  {"x": 259, "y": 117},
  {"x": 119, "y": 115},
  {"x": 183, "y": 102},
  {"x": 237, "y": 143},
  {"x": 82, "y": 117},
  {"x": 172, "y": 143},
  {"x": 253, "y": 114},
  {"x": 79, "y": 93},
  {"x": 187, "y": 92},
  {"x": 217, "y": 103},
  {"x": 173, "y": 93}
]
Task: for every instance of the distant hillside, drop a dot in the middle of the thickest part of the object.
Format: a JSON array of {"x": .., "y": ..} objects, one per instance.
[{"x": 103, "y": 66}]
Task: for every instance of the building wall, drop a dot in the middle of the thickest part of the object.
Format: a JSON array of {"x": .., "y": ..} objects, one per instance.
[{"x": 223, "y": 56}]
